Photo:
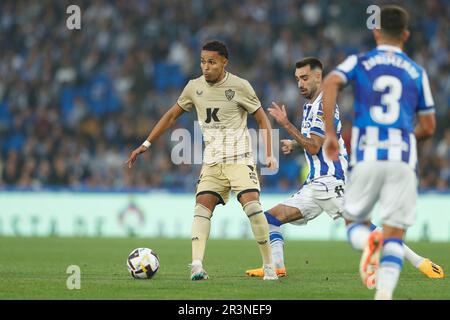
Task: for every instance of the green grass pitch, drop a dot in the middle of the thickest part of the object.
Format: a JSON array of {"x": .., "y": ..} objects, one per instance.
[{"x": 35, "y": 268}]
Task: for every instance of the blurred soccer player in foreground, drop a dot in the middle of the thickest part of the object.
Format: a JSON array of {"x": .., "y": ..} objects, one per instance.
[
  {"x": 389, "y": 89},
  {"x": 222, "y": 101}
]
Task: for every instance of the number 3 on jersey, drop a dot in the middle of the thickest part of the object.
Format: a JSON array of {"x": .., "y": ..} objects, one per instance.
[{"x": 389, "y": 99}]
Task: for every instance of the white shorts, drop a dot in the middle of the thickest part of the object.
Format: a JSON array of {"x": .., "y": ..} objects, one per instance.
[
  {"x": 393, "y": 184},
  {"x": 321, "y": 194}
]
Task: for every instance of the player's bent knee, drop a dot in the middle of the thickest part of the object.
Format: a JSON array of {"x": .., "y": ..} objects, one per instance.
[
  {"x": 202, "y": 211},
  {"x": 260, "y": 227},
  {"x": 252, "y": 208}
]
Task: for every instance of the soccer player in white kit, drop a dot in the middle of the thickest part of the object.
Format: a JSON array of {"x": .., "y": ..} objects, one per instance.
[
  {"x": 390, "y": 89},
  {"x": 324, "y": 188}
]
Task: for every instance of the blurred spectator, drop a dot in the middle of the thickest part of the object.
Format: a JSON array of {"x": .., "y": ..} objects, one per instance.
[{"x": 73, "y": 104}]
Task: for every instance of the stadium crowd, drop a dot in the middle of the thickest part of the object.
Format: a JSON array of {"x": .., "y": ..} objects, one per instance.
[{"x": 74, "y": 103}]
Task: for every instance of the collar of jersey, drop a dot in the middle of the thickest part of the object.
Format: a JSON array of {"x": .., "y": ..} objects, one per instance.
[
  {"x": 319, "y": 97},
  {"x": 388, "y": 47},
  {"x": 219, "y": 83}
]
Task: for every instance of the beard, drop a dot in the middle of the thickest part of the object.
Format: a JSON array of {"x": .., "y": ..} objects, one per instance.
[{"x": 310, "y": 94}]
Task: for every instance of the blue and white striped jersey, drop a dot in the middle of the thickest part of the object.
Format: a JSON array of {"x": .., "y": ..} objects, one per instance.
[
  {"x": 319, "y": 164},
  {"x": 389, "y": 88}
]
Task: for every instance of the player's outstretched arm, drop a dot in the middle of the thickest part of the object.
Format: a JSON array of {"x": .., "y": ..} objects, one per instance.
[
  {"x": 264, "y": 124},
  {"x": 311, "y": 145},
  {"x": 330, "y": 87},
  {"x": 166, "y": 121},
  {"x": 426, "y": 126}
]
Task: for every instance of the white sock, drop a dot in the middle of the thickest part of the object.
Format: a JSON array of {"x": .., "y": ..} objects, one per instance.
[
  {"x": 358, "y": 234},
  {"x": 197, "y": 263},
  {"x": 277, "y": 245},
  {"x": 391, "y": 263},
  {"x": 381, "y": 295},
  {"x": 412, "y": 257}
]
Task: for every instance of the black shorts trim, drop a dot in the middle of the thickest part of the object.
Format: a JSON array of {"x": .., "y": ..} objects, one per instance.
[
  {"x": 245, "y": 191},
  {"x": 219, "y": 197}
]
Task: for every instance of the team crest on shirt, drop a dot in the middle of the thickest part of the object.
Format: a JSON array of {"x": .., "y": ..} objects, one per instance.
[
  {"x": 319, "y": 117},
  {"x": 319, "y": 114},
  {"x": 229, "y": 94}
]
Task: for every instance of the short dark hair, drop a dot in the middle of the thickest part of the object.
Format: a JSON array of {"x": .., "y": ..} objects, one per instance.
[
  {"x": 215, "y": 45},
  {"x": 394, "y": 20},
  {"x": 312, "y": 62}
]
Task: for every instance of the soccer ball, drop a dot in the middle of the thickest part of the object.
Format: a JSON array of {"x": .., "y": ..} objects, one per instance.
[{"x": 142, "y": 263}]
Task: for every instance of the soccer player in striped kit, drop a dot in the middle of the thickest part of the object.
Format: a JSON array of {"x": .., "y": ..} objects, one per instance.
[
  {"x": 390, "y": 89},
  {"x": 324, "y": 187}
]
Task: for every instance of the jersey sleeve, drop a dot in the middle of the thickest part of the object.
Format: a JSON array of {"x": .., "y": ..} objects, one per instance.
[
  {"x": 347, "y": 69},
  {"x": 185, "y": 99},
  {"x": 317, "y": 124},
  {"x": 426, "y": 102},
  {"x": 249, "y": 100}
]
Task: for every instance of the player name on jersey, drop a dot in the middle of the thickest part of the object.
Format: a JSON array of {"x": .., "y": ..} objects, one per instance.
[
  {"x": 390, "y": 89},
  {"x": 393, "y": 60}
]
